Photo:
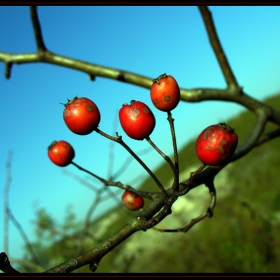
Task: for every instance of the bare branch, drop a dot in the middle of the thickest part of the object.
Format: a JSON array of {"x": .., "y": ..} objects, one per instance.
[
  {"x": 148, "y": 195},
  {"x": 119, "y": 140},
  {"x": 269, "y": 136},
  {"x": 6, "y": 202},
  {"x": 217, "y": 47},
  {"x": 208, "y": 212},
  {"x": 94, "y": 256},
  {"x": 128, "y": 161},
  {"x": 25, "y": 238},
  {"x": 175, "y": 152},
  {"x": 188, "y": 95},
  {"x": 161, "y": 202},
  {"x": 37, "y": 29},
  {"x": 165, "y": 157},
  {"x": 252, "y": 141},
  {"x": 8, "y": 70}
]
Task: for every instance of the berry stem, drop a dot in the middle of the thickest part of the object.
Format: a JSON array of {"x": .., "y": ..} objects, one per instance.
[
  {"x": 173, "y": 167},
  {"x": 117, "y": 184},
  {"x": 196, "y": 172},
  {"x": 208, "y": 213},
  {"x": 156, "y": 80},
  {"x": 90, "y": 173},
  {"x": 119, "y": 140},
  {"x": 176, "y": 158}
]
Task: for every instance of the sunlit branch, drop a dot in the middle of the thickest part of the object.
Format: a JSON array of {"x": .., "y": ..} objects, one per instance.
[
  {"x": 188, "y": 95},
  {"x": 254, "y": 105}
]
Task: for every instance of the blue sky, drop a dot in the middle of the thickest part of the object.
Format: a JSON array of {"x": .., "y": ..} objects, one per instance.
[{"x": 145, "y": 40}]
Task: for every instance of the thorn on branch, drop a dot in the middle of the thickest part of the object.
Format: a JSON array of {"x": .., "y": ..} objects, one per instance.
[
  {"x": 118, "y": 136},
  {"x": 8, "y": 69},
  {"x": 93, "y": 266},
  {"x": 193, "y": 174},
  {"x": 92, "y": 77},
  {"x": 210, "y": 212}
]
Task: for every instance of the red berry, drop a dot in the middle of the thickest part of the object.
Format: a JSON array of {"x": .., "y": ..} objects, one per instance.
[
  {"x": 132, "y": 201},
  {"x": 137, "y": 120},
  {"x": 81, "y": 115},
  {"x": 165, "y": 93},
  {"x": 216, "y": 144},
  {"x": 61, "y": 153}
]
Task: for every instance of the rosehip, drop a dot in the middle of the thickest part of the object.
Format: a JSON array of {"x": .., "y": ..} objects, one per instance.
[
  {"x": 81, "y": 115},
  {"x": 61, "y": 153},
  {"x": 216, "y": 144},
  {"x": 132, "y": 201},
  {"x": 165, "y": 93},
  {"x": 137, "y": 120}
]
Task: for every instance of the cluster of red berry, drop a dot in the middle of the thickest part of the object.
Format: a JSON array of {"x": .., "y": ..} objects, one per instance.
[{"x": 214, "y": 146}]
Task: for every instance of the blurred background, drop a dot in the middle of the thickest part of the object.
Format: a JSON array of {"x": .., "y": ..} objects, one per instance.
[{"x": 147, "y": 40}]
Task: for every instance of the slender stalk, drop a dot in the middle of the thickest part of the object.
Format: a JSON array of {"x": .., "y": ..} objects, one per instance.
[
  {"x": 37, "y": 29},
  {"x": 208, "y": 213},
  {"x": 217, "y": 47},
  {"x": 90, "y": 173},
  {"x": 175, "y": 150},
  {"x": 6, "y": 202},
  {"x": 121, "y": 142},
  {"x": 167, "y": 158}
]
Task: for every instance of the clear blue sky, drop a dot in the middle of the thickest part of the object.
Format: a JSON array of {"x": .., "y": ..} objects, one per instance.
[{"x": 145, "y": 40}]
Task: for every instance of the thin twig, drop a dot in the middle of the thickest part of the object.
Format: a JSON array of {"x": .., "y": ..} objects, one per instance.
[
  {"x": 175, "y": 151},
  {"x": 92, "y": 174},
  {"x": 268, "y": 136},
  {"x": 6, "y": 202},
  {"x": 148, "y": 195},
  {"x": 165, "y": 157},
  {"x": 217, "y": 47},
  {"x": 127, "y": 162},
  {"x": 208, "y": 213},
  {"x": 25, "y": 237},
  {"x": 121, "y": 142},
  {"x": 37, "y": 29}
]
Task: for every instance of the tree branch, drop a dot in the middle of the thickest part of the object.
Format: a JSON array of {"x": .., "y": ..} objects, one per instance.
[
  {"x": 37, "y": 29},
  {"x": 217, "y": 47}
]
